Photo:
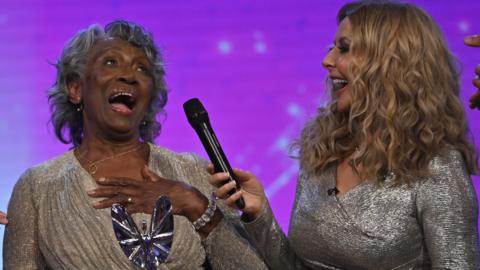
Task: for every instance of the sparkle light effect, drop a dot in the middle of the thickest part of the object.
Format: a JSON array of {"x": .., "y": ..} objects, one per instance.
[
  {"x": 224, "y": 47},
  {"x": 256, "y": 66}
]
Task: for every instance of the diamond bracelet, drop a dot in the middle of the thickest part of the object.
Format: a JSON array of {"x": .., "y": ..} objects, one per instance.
[{"x": 207, "y": 215}]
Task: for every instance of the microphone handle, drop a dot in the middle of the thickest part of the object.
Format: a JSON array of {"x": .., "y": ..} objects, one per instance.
[{"x": 217, "y": 157}]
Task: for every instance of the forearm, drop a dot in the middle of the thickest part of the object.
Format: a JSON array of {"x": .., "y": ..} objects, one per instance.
[
  {"x": 268, "y": 238},
  {"x": 227, "y": 247}
]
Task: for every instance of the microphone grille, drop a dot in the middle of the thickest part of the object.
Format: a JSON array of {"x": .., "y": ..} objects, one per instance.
[{"x": 195, "y": 111}]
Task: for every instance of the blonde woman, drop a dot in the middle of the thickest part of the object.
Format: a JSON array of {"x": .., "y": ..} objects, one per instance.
[{"x": 385, "y": 168}]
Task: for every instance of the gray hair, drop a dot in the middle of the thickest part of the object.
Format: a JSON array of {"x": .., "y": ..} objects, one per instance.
[{"x": 66, "y": 120}]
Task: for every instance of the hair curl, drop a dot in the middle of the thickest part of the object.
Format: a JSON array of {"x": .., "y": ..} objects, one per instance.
[
  {"x": 67, "y": 122},
  {"x": 405, "y": 98}
]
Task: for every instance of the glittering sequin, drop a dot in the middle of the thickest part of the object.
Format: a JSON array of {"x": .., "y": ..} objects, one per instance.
[
  {"x": 52, "y": 224},
  {"x": 431, "y": 224}
]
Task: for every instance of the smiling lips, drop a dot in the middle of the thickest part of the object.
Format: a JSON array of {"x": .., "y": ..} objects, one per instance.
[
  {"x": 122, "y": 101},
  {"x": 339, "y": 86}
]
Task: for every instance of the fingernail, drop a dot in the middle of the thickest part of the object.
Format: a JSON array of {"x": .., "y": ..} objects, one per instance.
[
  {"x": 91, "y": 192},
  {"x": 101, "y": 179}
]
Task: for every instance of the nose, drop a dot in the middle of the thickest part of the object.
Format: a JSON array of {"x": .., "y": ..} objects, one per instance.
[
  {"x": 127, "y": 76},
  {"x": 329, "y": 60}
]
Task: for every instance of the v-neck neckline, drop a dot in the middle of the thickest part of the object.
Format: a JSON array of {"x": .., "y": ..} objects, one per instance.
[
  {"x": 91, "y": 178},
  {"x": 347, "y": 193}
]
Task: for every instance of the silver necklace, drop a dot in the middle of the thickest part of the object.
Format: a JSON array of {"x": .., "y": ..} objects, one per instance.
[{"x": 93, "y": 165}]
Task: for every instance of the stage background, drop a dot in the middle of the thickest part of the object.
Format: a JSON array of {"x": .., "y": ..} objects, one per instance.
[{"x": 256, "y": 65}]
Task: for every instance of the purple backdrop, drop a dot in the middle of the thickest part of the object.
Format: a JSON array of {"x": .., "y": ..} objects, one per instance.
[{"x": 256, "y": 65}]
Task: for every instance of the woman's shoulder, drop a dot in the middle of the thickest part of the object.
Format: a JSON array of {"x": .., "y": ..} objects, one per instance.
[
  {"x": 447, "y": 173},
  {"x": 179, "y": 159},
  {"x": 186, "y": 167},
  {"x": 447, "y": 160},
  {"x": 46, "y": 170}
]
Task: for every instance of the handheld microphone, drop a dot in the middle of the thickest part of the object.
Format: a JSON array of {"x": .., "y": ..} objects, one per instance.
[{"x": 198, "y": 117}]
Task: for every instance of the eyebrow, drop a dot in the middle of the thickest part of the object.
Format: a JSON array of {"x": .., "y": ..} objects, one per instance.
[
  {"x": 118, "y": 50},
  {"x": 343, "y": 40},
  {"x": 108, "y": 49}
]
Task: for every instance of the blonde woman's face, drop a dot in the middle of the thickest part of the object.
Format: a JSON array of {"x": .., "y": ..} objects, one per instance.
[{"x": 337, "y": 62}]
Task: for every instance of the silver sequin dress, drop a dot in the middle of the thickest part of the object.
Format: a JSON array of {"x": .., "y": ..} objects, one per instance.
[
  {"x": 52, "y": 224},
  {"x": 430, "y": 225}
]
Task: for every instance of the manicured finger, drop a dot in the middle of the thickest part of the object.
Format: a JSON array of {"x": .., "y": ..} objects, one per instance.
[
  {"x": 111, "y": 191},
  {"x": 218, "y": 179},
  {"x": 222, "y": 192},
  {"x": 210, "y": 168},
  {"x": 242, "y": 175},
  {"x": 110, "y": 201},
  {"x": 473, "y": 41},
  {"x": 475, "y": 100},
  {"x": 230, "y": 201},
  {"x": 3, "y": 218},
  {"x": 149, "y": 175},
  {"x": 118, "y": 181}
]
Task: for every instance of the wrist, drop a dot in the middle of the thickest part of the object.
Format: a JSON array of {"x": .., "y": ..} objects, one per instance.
[
  {"x": 208, "y": 219},
  {"x": 198, "y": 204},
  {"x": 208, "y": 228},
  {"x": 252, "y": 213},
  {"x": 207, "y": 215}
]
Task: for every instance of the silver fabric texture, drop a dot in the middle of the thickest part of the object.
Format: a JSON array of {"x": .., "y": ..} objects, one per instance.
[
  {"x": 52, "y": 224},
  {"x": 431, "y": 224}
]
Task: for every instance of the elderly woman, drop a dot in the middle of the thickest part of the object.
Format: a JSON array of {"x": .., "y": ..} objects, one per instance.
[
  {"x": 385, "y": 169},
  {"x": 109, "y": 89}
]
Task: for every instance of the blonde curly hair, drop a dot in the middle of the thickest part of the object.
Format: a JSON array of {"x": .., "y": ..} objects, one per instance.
[{"x": 405, "y": 98}]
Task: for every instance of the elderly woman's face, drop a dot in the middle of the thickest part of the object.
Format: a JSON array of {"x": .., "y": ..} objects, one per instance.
[
  {"x": 337, "y": 62},
  {"x": 116, "y": 89}
]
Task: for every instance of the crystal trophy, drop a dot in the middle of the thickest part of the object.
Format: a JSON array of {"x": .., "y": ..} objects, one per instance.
[{"x": 147, "y": 248}]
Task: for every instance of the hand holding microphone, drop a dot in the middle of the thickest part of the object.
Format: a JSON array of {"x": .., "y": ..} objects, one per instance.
[
  {"x": 198, "y": 117},
  {"x": 233, "y": 185},
  {"x": 251, "y": 191}
]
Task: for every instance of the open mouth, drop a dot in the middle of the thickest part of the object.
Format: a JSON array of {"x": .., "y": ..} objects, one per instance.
[
  {"x": 338, "y": 84},
  {"x": 122, "y": 101}
]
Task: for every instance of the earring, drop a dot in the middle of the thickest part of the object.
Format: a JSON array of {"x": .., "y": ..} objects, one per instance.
[
  {"x": 144, "y": 123},
  {"x": 79, "y": 108}
]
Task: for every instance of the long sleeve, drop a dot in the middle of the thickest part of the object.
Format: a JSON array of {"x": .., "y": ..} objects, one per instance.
[
  {"x": 271, "y": 242},
  {"x": 269, "y": 239},
  {"x": 227, "y": 246},
  {"x": 447, "y": 210},
  {"x": 20, "y": 247}
]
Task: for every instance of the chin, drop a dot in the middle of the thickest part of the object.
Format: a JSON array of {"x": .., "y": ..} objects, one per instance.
[
  {"x": 343, "y": 105},
  {"x": 123, "y": 130},
  {"x": 344, "y": 102}
]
